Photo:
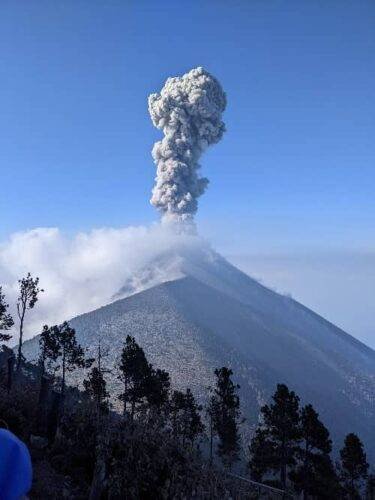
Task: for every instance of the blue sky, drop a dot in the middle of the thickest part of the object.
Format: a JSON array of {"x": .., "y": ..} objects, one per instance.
[{"x": 294, "y": 174}]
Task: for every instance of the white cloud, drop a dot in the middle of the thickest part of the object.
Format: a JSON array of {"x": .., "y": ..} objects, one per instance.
[{"x": 88, "y": 270}]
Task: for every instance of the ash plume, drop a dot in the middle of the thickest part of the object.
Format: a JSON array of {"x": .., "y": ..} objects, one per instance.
[{"x": 188, "y": 110}]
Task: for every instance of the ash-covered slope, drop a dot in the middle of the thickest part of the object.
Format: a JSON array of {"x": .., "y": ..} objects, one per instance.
[{"x": 215, "y": 316}]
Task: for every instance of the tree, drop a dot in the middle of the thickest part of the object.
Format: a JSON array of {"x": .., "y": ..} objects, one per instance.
[
  {"x": 6, "y": 320},
  {"x": 185, "y": 416},
  {"x": 262, "y": 455},
  {"x": 72, "y": 355},
  {"x": 28, "y": 297},
  {"x": 224, "y": 409},
  {"x": 48, "y": 353},
  {"x": 48, "y": 346},
  {"x": 370, "y": 488},
  {"x": 315, "y": 475},
  {"x": 134, "y": 372},
  {"x": 96, "y": 387},
  {"x": 281, "y": 421},
  {"x": 354, "y": 465},
  {"x": 156, "y": 387}
]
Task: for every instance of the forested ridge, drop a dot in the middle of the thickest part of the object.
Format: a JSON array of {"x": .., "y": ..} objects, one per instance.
[{"x": 163, "y": 443}]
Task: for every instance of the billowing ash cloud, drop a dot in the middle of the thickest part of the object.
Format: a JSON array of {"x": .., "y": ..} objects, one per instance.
[{"x": 188, "y": 110}]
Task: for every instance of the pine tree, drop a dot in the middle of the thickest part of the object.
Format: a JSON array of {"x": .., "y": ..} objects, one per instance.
[
  {"x": 156, "y": 387},
  {"x": 48, "y": 347},
  {"x": 48, "y": 354},
  {"x": 354, "y": 466},
  {"x": 6, "y": 320},
  {"x": 370, "y": 487},
  {"x": 281, "y": 421},
  {"x": 96, "y": 387},
  {"x": 134, "y": 372},
  {"x": 224, "y": 409},
  {"x": 193, "y": 425},
  {"x": 185, "y": 416},
  {"x": 28, "y": 297},
  {"x": 262, "y": 455},
  {"x": 315, "y": 475},
  {"x": 72, "y": 355}
]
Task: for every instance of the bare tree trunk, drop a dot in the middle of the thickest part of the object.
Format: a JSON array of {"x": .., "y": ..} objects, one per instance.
[
  {"x": 305, "y": 472},
  {"x": 133, "y": 410},
  {"x": 125, "y": 391},
  {"x": 63, "y": 375},
  {"x": 283, "y": 467},
  {"x": 22, "y": 317},
  {"x": 10, "y": 362},
  {"x": 42, "y": 404},
  {"x": 53, "y": 417},
  {"x": 211, "y": 439}
]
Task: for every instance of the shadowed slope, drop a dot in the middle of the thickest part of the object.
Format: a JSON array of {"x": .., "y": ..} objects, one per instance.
[{"x": 191, "y": 326}]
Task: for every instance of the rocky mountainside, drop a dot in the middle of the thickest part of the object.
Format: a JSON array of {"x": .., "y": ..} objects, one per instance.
[{"x": 213, "y": 315}]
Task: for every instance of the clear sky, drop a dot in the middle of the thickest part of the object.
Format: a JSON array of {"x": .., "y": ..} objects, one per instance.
[{"x": 294, "y": 174}]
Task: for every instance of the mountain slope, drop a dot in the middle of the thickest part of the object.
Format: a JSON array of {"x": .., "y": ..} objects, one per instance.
[{"x": 215, "y": 316}]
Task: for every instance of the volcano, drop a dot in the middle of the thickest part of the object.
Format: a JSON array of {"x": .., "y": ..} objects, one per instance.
[{"x": 212, "y": 315}]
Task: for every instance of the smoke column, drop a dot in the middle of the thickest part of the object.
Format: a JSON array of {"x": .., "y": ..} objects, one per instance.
[{"x": 188, "y": 110}]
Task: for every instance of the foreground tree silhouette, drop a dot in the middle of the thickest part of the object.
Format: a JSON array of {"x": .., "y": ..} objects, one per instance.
[
  {"x": 280, "y": 435},
  {"x": 28, "y": 297},
  {"x": 96, "y": 387},
  {"x": 262, "y": 453},
  {"x": 48, "y": 347},
  {"x": 354, "y": 465},
  {"x": 224, "y": 410},
  {"x": 48, "y": 354},
  {"x": 6, "y": 320},
  {"x": 134, "y": 372},
  {"x": 315, "y": 476},
  {"x": 69, "y": 352},
  {"x": 370, "y": 487},
  {"x": 185, "y": 416},
  {"x": 156, "y": 387}
]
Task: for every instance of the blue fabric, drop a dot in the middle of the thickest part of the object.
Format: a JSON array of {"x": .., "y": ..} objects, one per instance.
[{"x": 15, "y": 467}]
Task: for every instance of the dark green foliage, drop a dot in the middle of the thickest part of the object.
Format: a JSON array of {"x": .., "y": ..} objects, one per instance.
[
  {"x": 76, "y": 442},
  {"x": 96, "y": 387},
  {"x": 28, "y": 297},
  {"x": 224, "y": 409},
  {"x": 296, "y": 441},
  {"x": 370, "y": 487},
  {"x": 134, "y": 372},
  {"x": 17, "y": 409},
  {"x": 49, "y": 349},
  {"x": 70, "y": 354},
  {"x": 262, "y": 454},
  {"x": 157, "y": 384},
  {"x": 185, "y": 416},
  {"x": 314, "y": 434},
  {"x": 147, "y": 464},
  {"x": 99, "y": 454},
  {"x": 315, "y": 474},
  {"x": 281, "y": 419},
  {"x": 6, "y": 320},
  {"x": 142, "y": 460},
  {"x": 354, "y": 466}
]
